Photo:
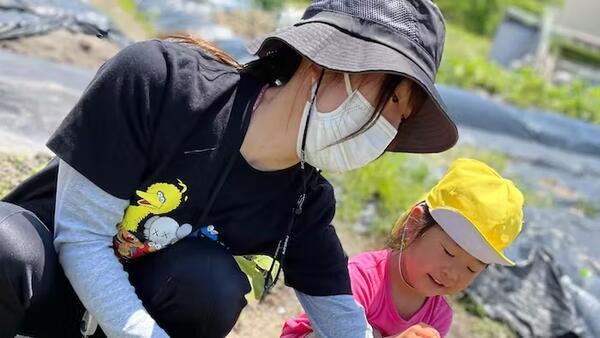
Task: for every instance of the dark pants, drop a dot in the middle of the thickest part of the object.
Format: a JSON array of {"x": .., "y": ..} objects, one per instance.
[{"x": 192, "y": 289}]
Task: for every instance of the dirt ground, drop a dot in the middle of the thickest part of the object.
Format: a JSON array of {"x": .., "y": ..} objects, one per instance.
[
  {"x": 90, "y": 52},
  {"x": 133, "y": 27},
  {"x": 64, "y": 46},
  {"x": 248, "y": 23}
]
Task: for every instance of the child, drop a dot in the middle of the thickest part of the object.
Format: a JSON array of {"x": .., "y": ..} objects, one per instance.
[{"x": 437, "y": 248}]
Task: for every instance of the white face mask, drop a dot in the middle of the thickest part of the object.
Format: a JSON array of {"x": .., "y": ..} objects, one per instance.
[{"x": 326, "y": 129}]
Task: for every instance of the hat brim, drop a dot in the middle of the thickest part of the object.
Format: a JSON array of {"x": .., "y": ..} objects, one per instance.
[
  {"x": 466, "y": 235},
  {"x": 429, "y": 130}
]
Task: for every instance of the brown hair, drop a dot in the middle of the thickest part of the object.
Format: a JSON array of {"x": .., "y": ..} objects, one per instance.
[
  {"x": 282, "y": 61},
  {"x": 213, "y": 50},
  {"x": 390, "y": 82},
  {"x": 422, "y": 225}
]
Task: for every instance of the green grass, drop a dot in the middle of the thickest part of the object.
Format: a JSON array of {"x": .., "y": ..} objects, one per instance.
[
  {"x": 15, "y": 168},
  {"x": 130, "y": 7},
  {"x": 463, "y": 44},
  {"x": 574, "y": 52},
  {"x": 395, "y": 181},
  {"x": 473, "y": 321},
  {"x": 588, "y": 209},
  {"x": 465, "y": 64},
  {"x": 468, "y": 304},
  {"x": 298, "y": 3},
  {"x": 538, "y": 199}
]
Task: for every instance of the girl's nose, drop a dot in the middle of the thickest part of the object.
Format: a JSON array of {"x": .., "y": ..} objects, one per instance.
[{"x": 450, "y": 276}]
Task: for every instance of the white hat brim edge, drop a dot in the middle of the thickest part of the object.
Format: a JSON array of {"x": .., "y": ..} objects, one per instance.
[{"x": 465, "y": 234}]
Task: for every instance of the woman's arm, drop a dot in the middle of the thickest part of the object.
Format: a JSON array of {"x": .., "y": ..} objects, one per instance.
[
  {"x": 336, "y": 316},
  {"x": 317, "y": 268},
  {"x": 85, "y": 222},
  {"x": 376, "y": 334}
]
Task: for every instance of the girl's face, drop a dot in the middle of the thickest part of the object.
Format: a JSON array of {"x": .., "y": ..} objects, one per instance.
[
  {"x": 435, "y": 265},
  {"x": 332, "y": 94}
]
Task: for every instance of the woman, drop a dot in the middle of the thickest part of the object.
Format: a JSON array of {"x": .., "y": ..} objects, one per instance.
[{"x": 174, "y": 160}]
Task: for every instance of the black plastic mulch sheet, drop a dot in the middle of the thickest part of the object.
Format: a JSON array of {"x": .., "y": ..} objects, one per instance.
[
  {"x": 530, "y": 298},
  {"x": 548, "y": 128},
  {"x": 22, "y": 18}
]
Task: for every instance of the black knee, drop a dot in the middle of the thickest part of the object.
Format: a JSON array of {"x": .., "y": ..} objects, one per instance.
[
  {"x": 193, "y": 289},
  {"x": 23, "y": 246},
  {"x": 26, "y": 252},
  {"x": 227, "y": 297},
  {"x": 28, "y": 265}
]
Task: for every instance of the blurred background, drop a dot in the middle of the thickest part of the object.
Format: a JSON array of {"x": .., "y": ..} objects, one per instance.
[{"x": 521, "y": 78}]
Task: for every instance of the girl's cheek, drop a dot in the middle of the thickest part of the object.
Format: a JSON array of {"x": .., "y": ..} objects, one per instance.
[
  {"x": 467, "y": 280},
  {"x": 443, "y": 260}
]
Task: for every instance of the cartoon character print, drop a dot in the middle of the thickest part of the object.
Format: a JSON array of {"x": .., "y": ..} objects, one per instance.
[
  {"x": 127, "y": 245},
  {"x": 210, "y": 232},
  {"x": 162, "y": 231},
  {"x": 158, "y": 199}
]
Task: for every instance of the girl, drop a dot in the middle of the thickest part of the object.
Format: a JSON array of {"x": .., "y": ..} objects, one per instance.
[
  {"x": 176, "y": 158},
  {"x": 437, "y": 248}
]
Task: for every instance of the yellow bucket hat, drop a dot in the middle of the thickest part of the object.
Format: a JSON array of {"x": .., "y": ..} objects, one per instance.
[{"x": 481, "y": 211}]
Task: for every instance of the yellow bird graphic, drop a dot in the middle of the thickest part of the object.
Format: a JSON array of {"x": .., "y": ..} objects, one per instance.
[{"x": 158, "y": 199}]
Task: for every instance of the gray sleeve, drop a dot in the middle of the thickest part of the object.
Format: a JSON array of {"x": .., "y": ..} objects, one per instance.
[
  {"x": 85, "y": 222},
  {"x": 335, "y": 316}
]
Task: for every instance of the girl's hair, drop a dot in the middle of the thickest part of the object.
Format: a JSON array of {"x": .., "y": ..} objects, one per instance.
[
  {"x": 281, "y": 62},
  {"x": 420, "y": 227}
]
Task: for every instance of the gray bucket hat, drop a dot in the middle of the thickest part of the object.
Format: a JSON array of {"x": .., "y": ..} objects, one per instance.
[{"x": 404, "y": 37}]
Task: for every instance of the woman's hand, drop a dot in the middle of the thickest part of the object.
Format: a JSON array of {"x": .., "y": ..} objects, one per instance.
[{"x": 419, "y": 331}]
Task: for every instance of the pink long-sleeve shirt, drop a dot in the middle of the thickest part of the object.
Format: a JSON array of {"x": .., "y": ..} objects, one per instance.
[{"x": 371, "y": 286}]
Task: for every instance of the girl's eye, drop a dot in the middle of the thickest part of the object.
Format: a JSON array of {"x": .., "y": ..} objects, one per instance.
[
  {"x": 470, "y": 270},
  {"x": 447, "y": 252},
  {"x": 395, "y": 99}
]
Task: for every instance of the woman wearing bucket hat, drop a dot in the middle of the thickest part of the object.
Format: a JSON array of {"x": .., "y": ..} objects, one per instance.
[
  {"x": 437, "y": 248},
  {"x": 176, "y": 159}
]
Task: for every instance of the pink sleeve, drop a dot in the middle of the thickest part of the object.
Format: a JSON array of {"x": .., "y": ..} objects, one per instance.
[
  {"x": 361, "y": 286},
  {"x": 443, "y": 319},
  {"x": 296, "y": 327}
]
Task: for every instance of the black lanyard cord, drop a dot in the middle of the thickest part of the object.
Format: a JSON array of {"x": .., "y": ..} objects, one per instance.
[
  {"x": 282, "y": 245},
  {"x": 241, "y": 114}
]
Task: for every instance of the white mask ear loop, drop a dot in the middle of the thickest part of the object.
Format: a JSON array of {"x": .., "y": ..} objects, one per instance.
[
  {"x": 305, "y": 131},
  {"x": 349, "y": 90},
  {"x": 402, "y": 247}
]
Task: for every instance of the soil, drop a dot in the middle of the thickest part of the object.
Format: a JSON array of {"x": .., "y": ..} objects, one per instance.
[
  {"x": 16, "y": 167},
  {"x": 64, "y": 46},
  {"x": 135, "y": 28},
  {"x": 248, "y": 23}
]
